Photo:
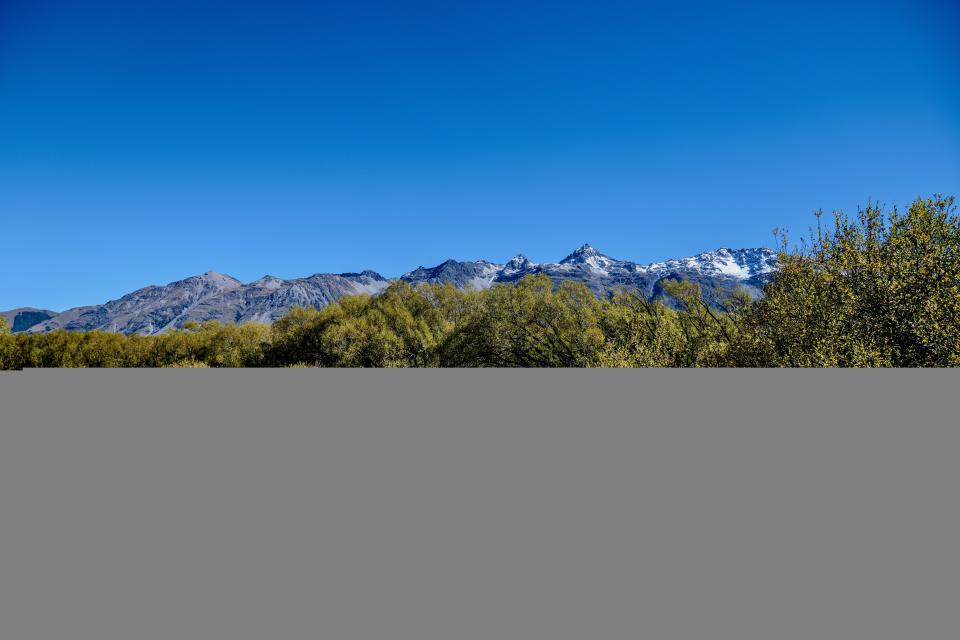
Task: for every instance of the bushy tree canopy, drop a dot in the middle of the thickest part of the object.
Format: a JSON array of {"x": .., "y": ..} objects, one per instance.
[{"x": 878, "y": 289}]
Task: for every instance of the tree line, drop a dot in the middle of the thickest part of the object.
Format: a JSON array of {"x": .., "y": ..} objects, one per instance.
[{"x": 877, "y": 289}]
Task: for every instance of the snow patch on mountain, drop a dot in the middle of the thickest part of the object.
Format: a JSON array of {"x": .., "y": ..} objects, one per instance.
[
  {"x": 517, "y": 264},
  {"x": 735, "y": 263}
]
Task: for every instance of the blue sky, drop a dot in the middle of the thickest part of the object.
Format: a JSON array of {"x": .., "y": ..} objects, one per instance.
[{"x": 143, "y": 142}]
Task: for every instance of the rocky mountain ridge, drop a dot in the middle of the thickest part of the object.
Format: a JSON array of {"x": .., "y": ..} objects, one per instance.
[{"x": 215, "y": 296}]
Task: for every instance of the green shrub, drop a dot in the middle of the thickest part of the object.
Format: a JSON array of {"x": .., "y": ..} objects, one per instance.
[{"x": 876, "y": 290}]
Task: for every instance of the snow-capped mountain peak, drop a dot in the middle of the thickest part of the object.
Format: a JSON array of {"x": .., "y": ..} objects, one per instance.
[
  {"x": 581, "y": 255},
  {"x": 723, "y": 262},
  {"x": 588, "y": 257},
  {"x": 517, "y": 263}
]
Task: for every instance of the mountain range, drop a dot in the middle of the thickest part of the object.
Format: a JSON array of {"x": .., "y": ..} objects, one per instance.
[{"x": 215, "y": 296}]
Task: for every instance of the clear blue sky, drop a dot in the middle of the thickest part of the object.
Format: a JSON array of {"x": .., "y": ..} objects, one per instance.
[{"x": 143, "y": 142}]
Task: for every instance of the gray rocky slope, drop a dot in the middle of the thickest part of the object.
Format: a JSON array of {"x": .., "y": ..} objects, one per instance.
[
  {"x": 213, "y": 296},
  {"x": 25, "y": 317}
]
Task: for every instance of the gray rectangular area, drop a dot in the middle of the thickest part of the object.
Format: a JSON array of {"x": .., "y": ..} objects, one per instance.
[{"x": 521, "y": 504}]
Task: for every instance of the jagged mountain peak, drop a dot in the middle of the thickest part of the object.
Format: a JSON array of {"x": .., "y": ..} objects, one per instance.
[
  {"x": 517, "y": 263},
  {"x": 216, "y": 276},
  {"x": 367, "y": 273},
  {"x": 588, "y": 258},
  {"x": 582, "y": 254},
  {"x": 735, "y": 263},
  {"x": 478, "y": 274},
  {"x": 268, "y": 282}
]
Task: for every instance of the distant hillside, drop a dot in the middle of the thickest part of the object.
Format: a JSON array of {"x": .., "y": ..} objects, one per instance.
[
  {"x": 214, "y": 296},
  {"x": 25, "y": 317}
]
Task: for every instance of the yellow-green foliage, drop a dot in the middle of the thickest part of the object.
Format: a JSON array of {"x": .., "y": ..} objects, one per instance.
[
  {"x": 212, "y": 345},
  {"x": 876, "y": 290},
  {"x": 7, "y": 346},
  {"x": 530, "y": 324},
  {"x": 403, "y": 327}
]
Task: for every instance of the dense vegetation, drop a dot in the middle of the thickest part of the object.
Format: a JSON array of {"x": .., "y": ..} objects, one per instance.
[{"x": 878, "y": 289}]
